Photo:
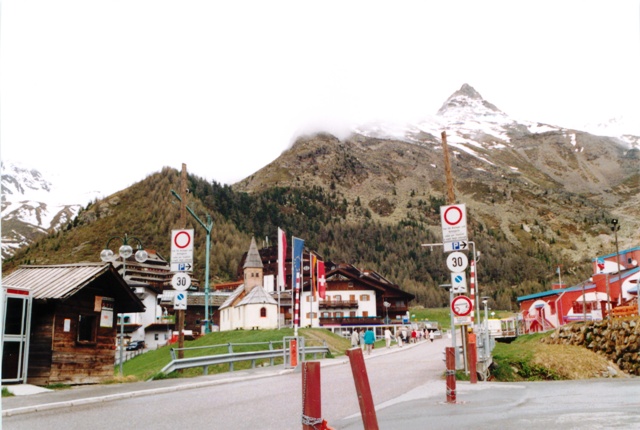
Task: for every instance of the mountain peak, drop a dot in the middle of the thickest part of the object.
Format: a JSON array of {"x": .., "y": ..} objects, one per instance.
[{"x": 467, "y": 99}]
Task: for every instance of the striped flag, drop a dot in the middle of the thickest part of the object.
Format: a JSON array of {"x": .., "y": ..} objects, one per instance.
[
  {"x": 296, "y": 276},
  {"x": 322, "y": 283},
  {"x": 282, "y": 255}
]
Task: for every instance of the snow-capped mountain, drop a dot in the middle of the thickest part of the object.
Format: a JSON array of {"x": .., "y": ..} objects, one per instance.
[
  {"x": 31, "y": 207},
  {"x": 470, "y": 120}
]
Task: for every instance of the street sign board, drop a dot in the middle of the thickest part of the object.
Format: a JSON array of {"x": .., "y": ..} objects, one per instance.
[
  {"x": 181, "y": 281},
  {"x": 181, "y": 267},
  {"x": 454, "y": 223},
  {"x": 457, "y": 262},
  {"x": 458, "y": 283},
  {"x": 455, "y": 246},
  {"x": 461, "y": 306},
  {"x": 180, "y": 301},
  {"x": 182, "y": 246}
]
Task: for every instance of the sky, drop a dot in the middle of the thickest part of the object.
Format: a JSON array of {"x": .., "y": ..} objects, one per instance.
[{"x": 101, "y": 94}]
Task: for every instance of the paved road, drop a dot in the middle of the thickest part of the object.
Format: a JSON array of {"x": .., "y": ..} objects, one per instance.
[{"x": 407, "y": 388}]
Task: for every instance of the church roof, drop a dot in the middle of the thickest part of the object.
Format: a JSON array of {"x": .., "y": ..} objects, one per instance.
[
  {"x": 253, "y": 256},
  {"x": 257, "y": 295}
]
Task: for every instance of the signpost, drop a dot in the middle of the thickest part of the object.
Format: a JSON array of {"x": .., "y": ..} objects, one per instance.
[
  {"x": 454, "y": 223},
  {"x": 181, "y": 281},
  {"x": 181, "y": 248},
  {"x": 180, "y": 301},
  {"x": 461, "y": 306}
]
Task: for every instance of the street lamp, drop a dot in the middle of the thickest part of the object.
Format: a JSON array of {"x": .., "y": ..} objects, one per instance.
[
  {"x": 125, "y": 251},
  {"x": 386, "y": 310}
]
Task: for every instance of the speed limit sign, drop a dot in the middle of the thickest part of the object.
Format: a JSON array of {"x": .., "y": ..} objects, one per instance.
[
  {"x": 181, "y": 281},
  {"x": 457, "y": 262}
]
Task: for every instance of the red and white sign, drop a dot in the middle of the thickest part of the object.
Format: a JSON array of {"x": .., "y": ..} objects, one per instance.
[
  {"x": 461, "y": 306},
  {"x": 182, "y": 246},
  {"x": 454, "y": 223}
]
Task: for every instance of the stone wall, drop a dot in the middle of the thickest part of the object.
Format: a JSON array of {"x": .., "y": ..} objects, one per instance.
[{"x": 618, "y": 340}]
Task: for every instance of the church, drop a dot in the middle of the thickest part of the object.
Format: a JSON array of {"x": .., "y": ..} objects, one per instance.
[{"x": 250, "y": 306}]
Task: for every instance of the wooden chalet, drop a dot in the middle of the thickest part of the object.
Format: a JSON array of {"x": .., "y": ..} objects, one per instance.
[
  {"x": 73, "y": 320},
  {"x": 355, "y": 297}
]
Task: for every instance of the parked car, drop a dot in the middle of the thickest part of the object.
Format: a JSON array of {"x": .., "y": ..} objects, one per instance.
[{"x": 135, "y": 345}]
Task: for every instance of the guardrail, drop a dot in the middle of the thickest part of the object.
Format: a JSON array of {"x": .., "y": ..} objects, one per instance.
[{"x": 231, "y": 357}]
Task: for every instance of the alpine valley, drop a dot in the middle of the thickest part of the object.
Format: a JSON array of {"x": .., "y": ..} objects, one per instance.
[{"x": 538, "y": 197}]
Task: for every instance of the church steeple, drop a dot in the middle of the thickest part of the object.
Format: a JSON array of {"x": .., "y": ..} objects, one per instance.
[{"x": 253, "y": 268}]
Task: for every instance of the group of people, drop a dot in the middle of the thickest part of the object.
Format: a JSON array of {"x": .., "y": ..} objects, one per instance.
[{"x": 366, "y": 338}]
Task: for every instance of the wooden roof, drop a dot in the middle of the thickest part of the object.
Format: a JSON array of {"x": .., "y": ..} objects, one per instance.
[{"x": 62, "y": 281}]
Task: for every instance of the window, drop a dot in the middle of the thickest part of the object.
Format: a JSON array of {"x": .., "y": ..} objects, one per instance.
[
  {"x": 308, "y": 298},
  {"x": 326, "y": 314},
  {"x": 365, "y": 313},
  {"x": 364, "y": 297},
  {"x": 87, "y": 328},
  {"x": 337, "y": 314},
  {"x": 156, "y": 336},
  {"x": 337, "y": 298},
  {"x": 350, "y": 285},
  {"x": 263, "y": 312},
  {"x": 352, "y": 297},
  {"x": 352, "y": 314}
]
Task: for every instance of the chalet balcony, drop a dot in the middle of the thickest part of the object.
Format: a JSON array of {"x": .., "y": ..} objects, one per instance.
[
  {"x": 346, "y": 321},
  {"x": 338, "y": 304}
]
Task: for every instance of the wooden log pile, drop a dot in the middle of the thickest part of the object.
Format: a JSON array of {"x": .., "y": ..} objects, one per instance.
[{"x": 618, "y": 340}]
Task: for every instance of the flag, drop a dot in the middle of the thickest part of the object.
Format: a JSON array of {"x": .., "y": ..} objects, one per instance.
[
  {"x": 282, "y": 256},
  {"x": 296, "y": 275},
  {"x": 314, "y": 278},
  {"x": 322, "y": 283}
]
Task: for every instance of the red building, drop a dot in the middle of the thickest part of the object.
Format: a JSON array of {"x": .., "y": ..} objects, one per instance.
[{"x": 614, "y": 284}]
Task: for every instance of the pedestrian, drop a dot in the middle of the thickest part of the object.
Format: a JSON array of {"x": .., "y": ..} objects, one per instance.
[
  {"x": 362, "y": 339},
  {"x": 431, "y": 335},
  {"x": 355, "y": 338},
  {"x": 414, "y": 335},
  {"x": 387, "y": 337},
  {"x": 369, "y": 339},
  {"x": 399, "y": 339}
]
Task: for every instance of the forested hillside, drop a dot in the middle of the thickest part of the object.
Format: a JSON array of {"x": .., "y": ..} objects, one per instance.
[{"x": 148, "y": 211}]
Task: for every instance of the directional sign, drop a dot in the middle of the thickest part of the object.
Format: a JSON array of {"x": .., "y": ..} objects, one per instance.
[
  {"x": 455, "y": 246},
  {"x": 457, "y": 262},
  {"x": 181, "y": 247},
  {"x": 459, "y": 283},
  {"x": 181, "y": 267},
  {"x": 180, "y": 301},
  {"x": 454, "y": 223},
  {"x": 461, "y": 306},
  {"x": 181, "y": 281}
]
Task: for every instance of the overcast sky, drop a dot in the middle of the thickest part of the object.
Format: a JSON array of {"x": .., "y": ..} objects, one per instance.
[{"x": 103, "y": 93}]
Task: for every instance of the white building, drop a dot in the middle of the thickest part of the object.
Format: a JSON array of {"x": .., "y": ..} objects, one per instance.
[{"x": 250, "y": 306}]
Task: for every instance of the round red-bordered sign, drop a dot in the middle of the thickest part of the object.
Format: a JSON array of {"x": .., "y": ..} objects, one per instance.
[
  {"x": 182, "y": 239},
  {"x": 461, "y": 306},
  {"x": 452, "y": 218}
]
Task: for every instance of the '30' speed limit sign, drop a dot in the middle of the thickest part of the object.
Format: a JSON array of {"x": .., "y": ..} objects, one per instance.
[{"x": 181, "y": 281}]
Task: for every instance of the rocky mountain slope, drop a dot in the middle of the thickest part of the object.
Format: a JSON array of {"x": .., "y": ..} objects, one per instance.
[
  {"x": 530, "y": 182},
  {"x": 30, "y": 208}
]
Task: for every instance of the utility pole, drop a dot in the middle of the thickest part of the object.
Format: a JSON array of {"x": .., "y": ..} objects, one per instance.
[
  {"x": 183, "y": 225},
  {"x": 451, "y": 197}
]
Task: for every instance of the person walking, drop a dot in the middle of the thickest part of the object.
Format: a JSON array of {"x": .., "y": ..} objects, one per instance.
[
  {"x": 362, "y": 338},
  {"x": 387, "y": 337},
  {"x": 369, "y": 339},
  {"x": 355, "y": 338},
  {"x": 431, "y": 335}
]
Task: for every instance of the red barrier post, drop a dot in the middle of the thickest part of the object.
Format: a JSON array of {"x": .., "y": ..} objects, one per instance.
[
  {"x": 311, "y": 395},
  {"x": 363, "y": 390},
  {"x": 451, "y": 374},
  {"x": 473, "y": 362},
  {"x": 293, "y": 352}
]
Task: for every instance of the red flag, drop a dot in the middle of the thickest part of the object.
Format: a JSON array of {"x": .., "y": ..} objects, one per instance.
[{"x": 322, "y": 283}]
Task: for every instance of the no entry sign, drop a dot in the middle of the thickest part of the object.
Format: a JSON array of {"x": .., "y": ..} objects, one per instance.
[
  {"x": 182, "y": 246},
  {"x": 454, "y": 223}
]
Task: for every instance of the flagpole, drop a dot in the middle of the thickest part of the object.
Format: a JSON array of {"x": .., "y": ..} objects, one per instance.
[
  {"x": 311, "y": 289},
  {"x": 294, "y": 281}
]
